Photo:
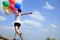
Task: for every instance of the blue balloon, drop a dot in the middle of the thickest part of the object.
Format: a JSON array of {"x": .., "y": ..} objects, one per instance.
[{"x": 17, "y": 5}]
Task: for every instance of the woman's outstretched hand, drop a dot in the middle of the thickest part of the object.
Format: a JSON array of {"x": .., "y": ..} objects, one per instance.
[{"x": 30, "y": 13}]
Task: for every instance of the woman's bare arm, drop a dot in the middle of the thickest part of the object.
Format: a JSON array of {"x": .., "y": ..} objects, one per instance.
[{"x": 27, "y": 13}]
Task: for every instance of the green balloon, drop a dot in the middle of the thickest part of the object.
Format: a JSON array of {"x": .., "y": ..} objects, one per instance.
[{"x": 6, "y": 3}]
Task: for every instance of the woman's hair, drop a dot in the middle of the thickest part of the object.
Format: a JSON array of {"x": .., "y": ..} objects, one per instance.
[{"x": 19, "y": 10}]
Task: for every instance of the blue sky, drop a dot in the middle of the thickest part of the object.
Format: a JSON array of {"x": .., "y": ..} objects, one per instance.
[{"x": 44, "y": 22}]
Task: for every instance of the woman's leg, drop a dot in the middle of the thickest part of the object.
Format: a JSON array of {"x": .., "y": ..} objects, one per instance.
[
  {"x": 21, "y": 36},
  {"x": 17, "y": 32}
]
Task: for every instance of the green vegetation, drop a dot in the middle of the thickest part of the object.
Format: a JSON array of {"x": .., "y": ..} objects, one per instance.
[{"x": 48, "y": 38}]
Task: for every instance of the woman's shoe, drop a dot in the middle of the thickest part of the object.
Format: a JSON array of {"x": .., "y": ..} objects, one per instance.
[
  {"x": 14, "y": 38},
  {"x": 21, "y": 36}
]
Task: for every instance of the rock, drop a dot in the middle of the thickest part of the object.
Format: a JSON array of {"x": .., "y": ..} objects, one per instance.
[{"x": 5, "y": 38}]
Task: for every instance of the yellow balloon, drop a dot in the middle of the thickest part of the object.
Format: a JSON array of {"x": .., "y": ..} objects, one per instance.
[{"x": 5, "y": 8}]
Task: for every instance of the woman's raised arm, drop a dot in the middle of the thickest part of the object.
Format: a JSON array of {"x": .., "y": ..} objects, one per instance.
[{"x": 27, "y": 13}]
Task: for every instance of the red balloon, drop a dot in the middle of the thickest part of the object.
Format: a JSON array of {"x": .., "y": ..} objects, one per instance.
[
  {"x": 15, "y": 11},
  {"x": 11, "y": 7},
  {"x": 12, "y": 1}
]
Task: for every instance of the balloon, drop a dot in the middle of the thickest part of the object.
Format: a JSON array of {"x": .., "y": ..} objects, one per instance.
[
  {"x": 12, "y": 1},
  {"x": 6, "y": 12},
  {"x": 5, "y": 8},
  {"x": 9, "y": 10},
  {"x": 15, "y": 11},
  {"x": 6, "y": 3},
  {"x": 11, "y": 7},
  {"x": 17, "y": 5}
]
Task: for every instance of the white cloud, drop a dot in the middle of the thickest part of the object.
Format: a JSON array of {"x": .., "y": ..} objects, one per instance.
[
  {"x": 53, "y": 25},
  {"x": 6, "y": 27},
  {"x": 35, "y": 21},
  {"x": 20, "y": 1},
  {"x": 1, "y": 5},
  {"x": 37, "y": 16},
  {"x": 31, "y": 23},
  {"x": 2, "y": 18},
  {"x": 48, "y": 6}
]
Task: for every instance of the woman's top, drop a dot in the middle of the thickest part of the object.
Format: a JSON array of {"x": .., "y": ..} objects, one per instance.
[{"x": 17, "y": 18}]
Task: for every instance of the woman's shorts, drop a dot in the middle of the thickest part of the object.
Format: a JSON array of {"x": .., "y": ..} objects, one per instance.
[{"x": 17, "y": 24}]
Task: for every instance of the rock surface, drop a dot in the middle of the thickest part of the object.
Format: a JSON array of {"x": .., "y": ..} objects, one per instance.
[{"x": 2, "y": 37}]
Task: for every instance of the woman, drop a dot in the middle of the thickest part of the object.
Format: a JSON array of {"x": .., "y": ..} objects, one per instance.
[{"x": 17, "y": 24}]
